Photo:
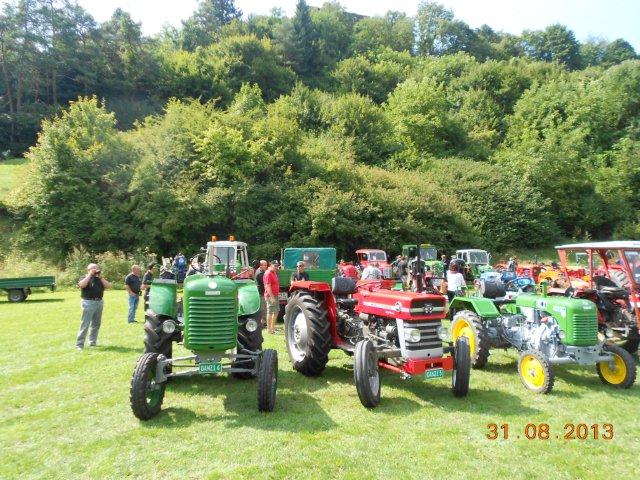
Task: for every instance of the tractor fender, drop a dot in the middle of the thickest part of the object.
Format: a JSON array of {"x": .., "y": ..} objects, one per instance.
[
  {"x": 248, "y": 298},
  {"x": 483, "y": 307}
]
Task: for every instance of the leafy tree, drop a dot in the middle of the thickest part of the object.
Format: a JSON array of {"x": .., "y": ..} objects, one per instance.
[
  {"x": 301, "y": 43},
  {"x": 394, "y": 31},
  {"x": 555, "y": 43},
  {"x": 429, "y": 20},
  {"x": 617, "y": 52},
  {"x": 208, "y": 19}
]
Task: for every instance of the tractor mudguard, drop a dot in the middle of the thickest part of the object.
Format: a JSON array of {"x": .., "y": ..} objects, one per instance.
[
  {"x": 483, "y": 307},
  {"x": 311, "y": 286},
  {"x": 248, "y": 298},
  {"x": 163, "y": 297}
]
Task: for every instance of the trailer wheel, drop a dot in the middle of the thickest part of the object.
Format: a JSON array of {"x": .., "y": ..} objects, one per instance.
[
  {"x": 468, "y": 324},
  {"x": 17, "y": 295},
  {"x": 268, "y": 381},
  {"x": 462, "y": 369},
  {"x": 307, "y": 334},
  {"x": 251, "y": 341},
  {"x": 146, "y": 395},
  {"x": 621, "y": 371},
  {"x": 535, "y": 371},
  {"x": 367, "y": 374}
]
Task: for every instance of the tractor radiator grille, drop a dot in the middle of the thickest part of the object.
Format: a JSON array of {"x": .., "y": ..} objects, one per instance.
[
  {"x": 428, "y": 336},
  {"x": 212, "y": 322},
  {"x": 420, "y": 308},
  {"x": 585, "y": 330}
]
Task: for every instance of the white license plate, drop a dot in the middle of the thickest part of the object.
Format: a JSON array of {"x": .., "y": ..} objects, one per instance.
[
  {"x": 434, "y": 373},
  {"x": 282, "y": 296}
]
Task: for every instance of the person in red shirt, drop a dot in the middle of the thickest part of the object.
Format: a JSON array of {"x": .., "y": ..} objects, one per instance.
[
  {"x": 349, "y": 270},
  {"x": 271, "y": 291}
]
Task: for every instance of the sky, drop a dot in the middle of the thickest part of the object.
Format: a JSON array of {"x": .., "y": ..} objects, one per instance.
[{"x": 607, "y": 19}]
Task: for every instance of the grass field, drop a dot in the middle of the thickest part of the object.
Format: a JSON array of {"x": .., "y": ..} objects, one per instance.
[
  {"x": 66, "y": 415},
  {"x": 12, "y": 171}
]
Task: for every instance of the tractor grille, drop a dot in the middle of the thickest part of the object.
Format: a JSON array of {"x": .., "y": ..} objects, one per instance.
[
  {"x": 585, "y": 330},
  {"x": 428, "y": 336},
  {"x": 420, "y": 308},
  {"x": 211, "y": 323}
]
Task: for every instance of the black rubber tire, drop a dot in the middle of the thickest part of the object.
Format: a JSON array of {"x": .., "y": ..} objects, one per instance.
[
  {"x": 140, "y": 406},
  {"x": 629, "y": 364},
  {"x": 316, "y": 355},
  {"x": 481, "y": 356},
  {"x": 155, "y": 340},
  {"x": 462, "y": 368},
  {"x": 549, "y": 376},
  {"x": 16, "y": 295},
  {"x": 365, "y": 367},
  {"x": 268, "y": 381},
  {"x": 250, "y": 341}
]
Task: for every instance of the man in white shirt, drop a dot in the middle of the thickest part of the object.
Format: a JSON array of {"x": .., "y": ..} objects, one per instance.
[{"x": 372, "y": 272}]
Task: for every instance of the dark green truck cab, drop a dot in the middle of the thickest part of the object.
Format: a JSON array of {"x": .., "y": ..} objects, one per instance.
[
  {"x": 18, "y": 289},
  {"x": 320, "y": 263}
]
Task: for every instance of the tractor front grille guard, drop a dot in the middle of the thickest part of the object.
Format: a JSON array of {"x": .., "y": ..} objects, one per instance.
[{"x": 191, "y": 364}]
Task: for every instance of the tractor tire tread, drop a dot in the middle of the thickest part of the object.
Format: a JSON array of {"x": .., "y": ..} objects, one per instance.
[
  {"x": 480, "y": 359},
  {"x": 138, "y": 390},
  {"x": 268, "y": 381},
  {"x": 629, "y": 364}
]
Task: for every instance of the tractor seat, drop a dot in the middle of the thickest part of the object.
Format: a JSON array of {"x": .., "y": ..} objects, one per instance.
[
  {"x": 615, "y": 292},
  {"x": 343, "y": 286},
  {"x": 492, "y": 289}
]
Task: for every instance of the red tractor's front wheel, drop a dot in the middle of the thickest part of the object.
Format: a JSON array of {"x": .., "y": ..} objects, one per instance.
[
  {"x": 462, "y": 368},
  {"x": 367, "y": 374}
]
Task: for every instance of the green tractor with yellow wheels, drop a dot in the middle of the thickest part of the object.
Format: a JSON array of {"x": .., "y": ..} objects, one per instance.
[
  {"x": 219, "y": 323},
  {"x": 545, "y": 330}
]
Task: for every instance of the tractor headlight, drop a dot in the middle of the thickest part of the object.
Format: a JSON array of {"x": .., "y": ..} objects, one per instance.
[
  {"x": 169, "y": 326},
  {"x": 608, "y": 333},
  {"x": 412, "y": 335},
  {"x": 251, "y": 325},
  {"x": 562, "y": 334},
  {"x": 444, "y": 334}
]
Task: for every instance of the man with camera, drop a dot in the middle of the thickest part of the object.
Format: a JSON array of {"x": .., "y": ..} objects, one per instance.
[{"x": 92, "y": 287}]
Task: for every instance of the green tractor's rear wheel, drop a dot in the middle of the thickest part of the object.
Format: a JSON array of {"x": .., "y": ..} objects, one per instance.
[
  {"x": 535, "y": 371},
  {"x": 621, "y": 371},
  {"x": 462, "y": 369},
  {"x": 145, "y": 394},
  {"x": 468, "y": 324},
  {"x": 251, "y": 341},
  {"x": 307, "y": 334},
  {"x": 268, "y": 381},
  {"x": 366, "y": 373}
]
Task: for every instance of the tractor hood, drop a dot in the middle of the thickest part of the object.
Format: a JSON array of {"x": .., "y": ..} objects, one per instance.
[{"x": 402, "y": 305}]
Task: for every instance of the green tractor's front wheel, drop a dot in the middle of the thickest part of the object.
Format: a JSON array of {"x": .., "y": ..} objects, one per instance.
[
  {"x": 146, "y": 395},
  {"x": 535, "y": 371},
  {"x": 468, "y": 324},
  {"x": 268, "y": 381},
  {"x": 619, "y": 372}
]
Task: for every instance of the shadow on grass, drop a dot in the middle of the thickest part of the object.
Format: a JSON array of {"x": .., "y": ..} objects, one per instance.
[
  {"x": 33, "y": 300},
  {"x": 295, "y": 411},
  {"x": 588, "y": 377},
  {"x": 118, "y": 349}
]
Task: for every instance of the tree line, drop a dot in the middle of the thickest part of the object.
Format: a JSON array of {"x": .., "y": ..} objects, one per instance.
[{"x": 321, "y": 129}]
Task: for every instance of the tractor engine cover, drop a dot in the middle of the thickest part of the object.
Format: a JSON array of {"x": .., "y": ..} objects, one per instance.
[
  {"x": 210, "y": 313},
  {"x": 417, "y": 317}
]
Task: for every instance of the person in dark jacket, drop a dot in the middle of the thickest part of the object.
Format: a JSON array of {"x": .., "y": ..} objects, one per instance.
[
  {"x": 92, "y": 287},
  {"x": 299, "y": 275},
  {"x": 259, "y": 277}
]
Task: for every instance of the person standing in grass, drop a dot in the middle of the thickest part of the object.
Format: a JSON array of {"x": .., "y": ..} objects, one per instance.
[
  {"x": 147, "y": 278},
  {"x": 92, "y": 287},
  {"x": 271, "y": 291},
  {"x": 133, "y": 285},
  {"x": 259, "y": 277}
]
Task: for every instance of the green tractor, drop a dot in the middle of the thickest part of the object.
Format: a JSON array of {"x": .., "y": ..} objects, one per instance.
[
  {"x": 219, "y": 323},
  {"x": 429, "y": 254},
  {"x": 476, "y": 262},
  {"x": 319, "y": 263},
  {"x": 545, "y": 330}
]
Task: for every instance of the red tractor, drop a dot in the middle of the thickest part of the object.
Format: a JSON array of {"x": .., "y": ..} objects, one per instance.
[
  {"x": 382, "y": 328},
  {"x": 368, "y": 256}
]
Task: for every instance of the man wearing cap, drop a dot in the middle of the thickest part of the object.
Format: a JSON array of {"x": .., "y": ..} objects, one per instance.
[
  {"x": 271, "y": 291},
  {"x": 299, "y": 275},
  {"x": 92, "y": 287}
]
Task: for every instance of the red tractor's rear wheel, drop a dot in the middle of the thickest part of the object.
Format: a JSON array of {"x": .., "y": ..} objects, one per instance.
[
  {"x": 307, "y": 334},
  {"x": 366, "y": 373}
]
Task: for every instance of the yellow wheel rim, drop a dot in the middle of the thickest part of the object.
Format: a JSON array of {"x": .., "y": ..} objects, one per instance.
[
  {"x": 615, "y": 375},
  {"x": 532, "y": 371},
  {"x": 463, "y": 328}
]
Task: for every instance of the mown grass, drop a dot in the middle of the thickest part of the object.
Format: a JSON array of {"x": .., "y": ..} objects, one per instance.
[
  {"x": 66, "y": 415},
  {"x": 12, "y": 171}
]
